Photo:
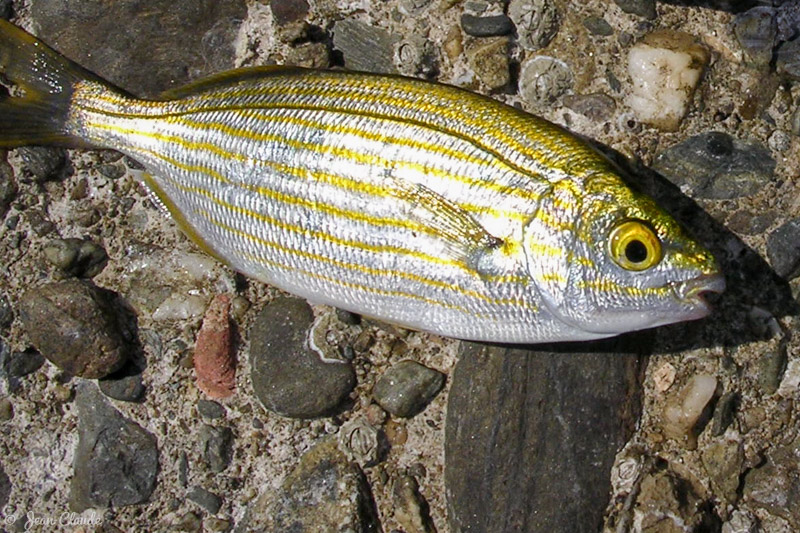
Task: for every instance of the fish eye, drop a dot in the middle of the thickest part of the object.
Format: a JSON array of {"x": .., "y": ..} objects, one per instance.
[{"x": 634, "y": 245}]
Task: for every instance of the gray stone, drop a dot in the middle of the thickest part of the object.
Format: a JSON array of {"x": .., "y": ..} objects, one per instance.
[
  {"x": 125, "y": 385},
  {"x": 116, "y": 460},
  {"x": 407, "y": 387},
  {"x": 40, "y": 163},
  {"x": 756, "y": 30},
  {"x": 21, "y": 364},
  {"x": 288, "y": 11},
  {"x": 717, "y": 166},
  {"x": 76, "y": 257},
  {"x": 543, "y": 80},
  {"x": 216, "y": 444},
  {"x": 364, "y": 47},
  {"x": 8, "y": 187},
  {"x": 177, "y": 40},
  {"x": 787, "y": 61},
  {"x": 597, "y": 107},
  {"x": 783, "y": 251},
  {"x": 5, "y": 487},
  {"x": 486, "y": 26},
  {"x": 536, "y": 22},
  {"x": 6, "y": 312},
  {"x": 531, "y": 435},
  {"x": 743, "y": 221},
  {"x": 76, "y": 326},
  {"x": 205, "y": 499},
  {"x": 6, "y": 9},
  {"x": 642, "y": 8},
  {"x": 598, "y": 26},
  {"x": 775, "y": 485},
  {"x": 288, "y": 377},
  {"x": 210, "y": 409}
]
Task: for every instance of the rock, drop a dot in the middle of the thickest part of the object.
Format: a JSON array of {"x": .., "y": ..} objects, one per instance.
[
  {"x": 543, "y": 80},
  {"x": 683, "y": 410},
  {"x": 216, "y": 444},
  {"x": 6, "y": 313},
  {"x": 5, "y": 488},
  {"x": 598, "y": 26},
  {"x": 309, "y": 55},
  {"x": 360, "y": 441},
  {"x": 488, "y": 59},
  {"x": 782, "y": 249},
  {"x": 536, "y": 22},
  {"x": 39, "y": 222},
  {"x": 125, "y": 385},
  {"x": 668, "y": 503},
  {"x": 215, "y": 524},
  {"x": 665, "y": 68},
  {"x": 787, "y": 61},
  {"x": 741, "y": 522},
  {"x": 214, "y": 356},
  {"x": 756, "y": 30},
  {"x": 8, "y": 187},
  {"x": 288, "y": 377},
  {"x": 116, "y": 461},
  {"x": 715, "y": 165},
  {"x": 6, "y": 9},
  {"x": 486, "y": 26},
  {"x": 774, "y": 485},
  {"x": 324, "y": 492},
  {"x": 41, "y": 163},
  {"x": 407, "y": 387},
  {"x": 364, "y": 47},
  {"x": 288, "y": 11},
  {"x": 748, "y": 223},
  {"x": 410, "y": 508},
  {"x": 642, "y": 8},
  {"x": 177, "y": 41},
  {"x": 771, "y": 366},
  {"x": 20, "y": 364},
  {"x": 531, "y": 436},
  {"x": 210, "y": 410},
  {"x": 724, "y": 462},
  {"x": 597, "y": 107},
  {"x": 76, "y": 326},
  {"x": 76, "y": 257},
  {"x": 205, "y": 499},
  {"x": 724, "y": 413}
]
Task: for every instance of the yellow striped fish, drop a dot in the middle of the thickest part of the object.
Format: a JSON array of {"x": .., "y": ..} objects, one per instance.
[{"x": 413, "y": 202}]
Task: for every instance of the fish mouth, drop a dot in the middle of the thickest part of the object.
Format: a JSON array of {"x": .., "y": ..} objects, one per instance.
[{"x": 693, "y": 291}]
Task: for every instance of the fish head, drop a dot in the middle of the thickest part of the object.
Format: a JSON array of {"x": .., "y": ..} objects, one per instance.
[{"x": 619, "y": 263}]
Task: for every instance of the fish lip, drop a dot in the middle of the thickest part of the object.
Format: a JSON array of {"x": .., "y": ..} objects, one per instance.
[{"x": 692, "y": 291}]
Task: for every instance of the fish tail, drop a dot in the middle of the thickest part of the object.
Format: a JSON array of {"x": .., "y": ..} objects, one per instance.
[{"x": 41, "y": 83}]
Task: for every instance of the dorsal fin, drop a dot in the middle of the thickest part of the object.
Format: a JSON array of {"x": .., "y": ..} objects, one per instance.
[{"x": 230, "y": 77}]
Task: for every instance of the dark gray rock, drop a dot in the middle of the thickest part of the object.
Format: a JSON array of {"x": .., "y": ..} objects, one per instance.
[
  {"x": 125, "y": 385},
  {"x": 787, "y": 61},
  {"x": 6, "y": 312},
  {"x": 6, "y": 9},
  {"x": 597, "y": 107},
  {"x": 783, "y": 250},
  {"x": 110, "y": 170},
  {"x": 21, "y": 364},
  {"x": 76, "y": 257},
  {"x": 288, "y": 11},
  {"x": 717, "y": 166},
  {"x": 364, "y": 47},
  {"x": 40, "y": 163},
  {"x": 531, "y": 435},
  {"x": 775, "y": 485},
  {"x": 756, "y": 30},
  {"x": 724, "y": 413},
  {"x": 216, "y": 444},
  {"x": 751, "y": 223},
  {"x": 177, "y": 40},
  {"x": 116, "y": 460},
  {"x": 598, "y": 26},
  {"x": 210, "y": 409},
  {"x": 76, "y": 326},
  {"x": 642, "y": 8},
  {"x": 486, "y": 26},
  {"x": 8, "y": 187},
  {"x": 205, "y": 499},
  {"x": 289, "y": 378},
  {"x": 5, "y": 487},
  {"x": 407, "y": 387}
]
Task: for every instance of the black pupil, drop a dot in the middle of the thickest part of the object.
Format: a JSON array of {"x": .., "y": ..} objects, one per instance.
[{"x": 635, "y": 251}]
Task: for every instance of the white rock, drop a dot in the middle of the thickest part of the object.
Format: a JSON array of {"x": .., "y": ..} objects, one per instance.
[
  {"x": 791, "y": 379},
  {"x": 181, "y": 307},
  {"x": 665, "y": 67},
  {"x": 681, "y": 414}
]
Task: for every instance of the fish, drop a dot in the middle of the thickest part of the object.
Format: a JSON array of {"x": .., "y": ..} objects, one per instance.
[{"x": 413, "y": 202}]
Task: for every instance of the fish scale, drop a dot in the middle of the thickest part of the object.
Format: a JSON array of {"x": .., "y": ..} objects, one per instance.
[{"x": 409, "y": 201}]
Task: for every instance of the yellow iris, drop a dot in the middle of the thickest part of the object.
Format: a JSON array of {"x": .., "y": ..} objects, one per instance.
[{"x": 634, "y": 245}]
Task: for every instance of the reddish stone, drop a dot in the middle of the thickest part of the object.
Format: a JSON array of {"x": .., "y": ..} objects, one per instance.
[{"x": 214, "y": 358}]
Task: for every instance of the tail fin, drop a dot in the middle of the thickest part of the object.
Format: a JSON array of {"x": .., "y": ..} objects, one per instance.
[{"x": 42, "y": 82}]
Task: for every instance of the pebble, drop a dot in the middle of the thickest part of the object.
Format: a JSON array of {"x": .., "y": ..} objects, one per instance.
[
  {"x": 288, "y": 377},
  {"x": 488, "y": 59},
  {"x": 642, "y": 8},
  {"x": 598, "y": 26},
  {"x": 116, "y": 460},
  {"x": 597, "y": 107},
  {"x": 40, "y": 224},
  {"x": 126, "y": 384},
  {"x": 773, "y": 485},
  {"x": 724, "y": 462},
  {"x": 530, "y": 434},
  {"x": 407, "y": 388},
  {"x": 717, "y": 166},
  {"x": 683, "y": 410},
  {"x": 20, "y": 364},
  {"x": 76, "y": 257},
  {"x": 288, "y": 11},
  {"x": 410, "y": 508},
  {"x": 8, "y": 187},
  {"x": 177, "y": 41},
  {"x": 543, "y": 80},
  {"x": 748, "y": 223},
  {"x": 6, "y": 410},
  {"x": 216, "y": 444},
  {"x": 787, "y": 61},
  {"x": 309, "y": 55},
  {"x": 364, "y": 47},
  {"x": 76, "y": 326},
  {"x": 724, "y": 413},
  {"x": 665, "y": 68},
  {"x": 537, "y": 22},
  {"x": 209, "y": 409},
  {"x": 771, "y": 367},
  {"x": 782, "y": 249},
  {"x": 486, "y": 26},
  {"x": 205, "y": 499},
  {"x": 220, "y": 525},
  {"x": 214, "y": 355},
  {"x": 756, "y": 31},
  {"x": 41, "y": 163}
]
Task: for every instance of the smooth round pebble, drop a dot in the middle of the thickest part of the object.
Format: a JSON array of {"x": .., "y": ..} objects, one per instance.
[
  {"x": 486, "y": 26},
  {"x": 407, "y": 387}
]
